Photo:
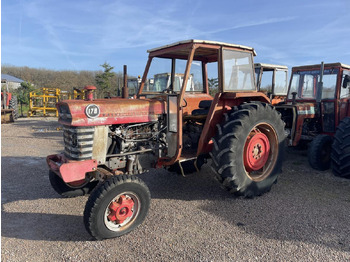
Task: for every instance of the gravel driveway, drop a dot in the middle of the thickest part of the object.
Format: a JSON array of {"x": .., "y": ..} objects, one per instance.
[{"x": 305, "y": 217}]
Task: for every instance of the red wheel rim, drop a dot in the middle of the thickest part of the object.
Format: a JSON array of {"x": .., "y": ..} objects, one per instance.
[
  {"x": 257, "y": 150},
  {"x": 121, "y": 210}
]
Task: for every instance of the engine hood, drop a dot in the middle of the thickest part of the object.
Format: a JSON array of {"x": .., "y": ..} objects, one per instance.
[{"x": 109, "y": 111}]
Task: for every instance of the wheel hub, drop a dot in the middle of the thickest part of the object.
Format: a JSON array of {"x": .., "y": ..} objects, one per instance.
[
  {"x": 121, "y": 210},
  {"x": 257, "y": 149}
]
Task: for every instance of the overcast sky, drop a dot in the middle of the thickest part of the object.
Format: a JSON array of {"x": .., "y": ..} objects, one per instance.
[{"x": 83, "y": 34}]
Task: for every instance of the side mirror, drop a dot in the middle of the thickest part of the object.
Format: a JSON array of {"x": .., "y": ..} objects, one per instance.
[{"x": 346, "y": 81}]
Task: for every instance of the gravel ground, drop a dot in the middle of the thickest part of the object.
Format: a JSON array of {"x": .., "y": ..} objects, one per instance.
[{"x": 305, "y": 217}]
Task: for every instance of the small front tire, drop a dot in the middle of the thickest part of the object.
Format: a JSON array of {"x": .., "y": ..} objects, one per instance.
[
  {"x": 319, "y": 153},
  {"x": 116, "y": 207}
]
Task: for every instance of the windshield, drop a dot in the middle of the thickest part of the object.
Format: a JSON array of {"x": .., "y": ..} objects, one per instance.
[
  {"x": 281, "y": 82},
  {"x": 305, "y": 84},
  {"x": 238, "y": 71},
  {"x": 159, "y": 76},
  {"x": 272, "y": 77}
]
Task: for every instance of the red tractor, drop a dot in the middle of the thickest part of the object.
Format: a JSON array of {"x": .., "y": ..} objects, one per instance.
[
  {"x": 317, "y": 110},
  {"x": 174, "y": 122},
  {"x": 9, "y": 106}
]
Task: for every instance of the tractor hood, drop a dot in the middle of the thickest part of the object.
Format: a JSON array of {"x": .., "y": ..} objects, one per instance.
[{"x": 109, "y": 111}]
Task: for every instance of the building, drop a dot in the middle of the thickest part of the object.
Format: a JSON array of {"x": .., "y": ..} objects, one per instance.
[{"x": 13, "y": 82}]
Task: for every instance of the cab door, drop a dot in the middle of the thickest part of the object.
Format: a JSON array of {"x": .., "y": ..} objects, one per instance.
[
  {"x": 344, "y": 97},
  {"x": 328, "y": 101}
]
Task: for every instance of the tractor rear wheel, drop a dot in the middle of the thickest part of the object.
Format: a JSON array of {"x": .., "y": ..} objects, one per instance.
[
  {"x": 74, "y": 189},
  {"x": 116, "y": 207},
  {"x": 319, "y": 153},
  {"x": 248, "y": 149},
  {"x": 13, "y": 104},
  {"x": 341, "y": 150}
]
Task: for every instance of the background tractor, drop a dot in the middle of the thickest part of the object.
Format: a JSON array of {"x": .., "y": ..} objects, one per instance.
[
  {"x": 317, "y": 110},
  {"x": 9, "y": 105},
  {"x": 272, "y": 80},
  {"x": 171, "y": 122}
]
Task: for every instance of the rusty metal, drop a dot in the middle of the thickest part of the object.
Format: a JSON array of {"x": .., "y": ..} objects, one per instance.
[
  {"x": 129, "y": 153},
  {"x": 112, "y": 111},
  {"x": 89, "y": 95}
]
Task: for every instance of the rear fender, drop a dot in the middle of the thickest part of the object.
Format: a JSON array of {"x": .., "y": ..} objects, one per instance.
[{"x": 222, "y": 103}]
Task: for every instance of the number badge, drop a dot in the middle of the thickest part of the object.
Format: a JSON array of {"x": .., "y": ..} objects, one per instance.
[{"x": 92, "y": 111}]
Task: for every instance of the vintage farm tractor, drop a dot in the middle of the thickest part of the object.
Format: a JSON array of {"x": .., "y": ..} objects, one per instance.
[
  {"x": 317, "y": 110},
  {"x": 172, "y": 122}
]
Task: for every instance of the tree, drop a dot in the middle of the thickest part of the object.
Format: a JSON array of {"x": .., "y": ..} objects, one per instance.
[
  {"x": 104, "y": 80},
  {"x": 23, "y": 94},
  {"x": 213, "y": 86}
]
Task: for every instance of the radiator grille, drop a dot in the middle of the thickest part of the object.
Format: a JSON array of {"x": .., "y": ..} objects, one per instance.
[{"x": 78, "y": 142}]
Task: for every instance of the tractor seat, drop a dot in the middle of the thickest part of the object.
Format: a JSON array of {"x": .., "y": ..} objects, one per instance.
[{"x": 204, "y": 106}]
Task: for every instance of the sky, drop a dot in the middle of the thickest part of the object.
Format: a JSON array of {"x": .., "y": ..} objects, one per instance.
[{"x": 82, "y": 34}]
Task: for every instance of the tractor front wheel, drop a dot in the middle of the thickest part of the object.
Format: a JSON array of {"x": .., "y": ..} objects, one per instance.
[
  {"x": 319, "y": 153},
  {"x": 248, "y": 149},
  {"x": 116, "y": 207}
]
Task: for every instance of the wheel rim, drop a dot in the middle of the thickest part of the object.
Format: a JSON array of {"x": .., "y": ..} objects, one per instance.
[
  {"x": 260, "y": 152},
  {"x": 122, "y": 211}
]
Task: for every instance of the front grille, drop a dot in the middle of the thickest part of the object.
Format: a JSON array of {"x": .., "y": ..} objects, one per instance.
[{"x": 78, "y": 142}]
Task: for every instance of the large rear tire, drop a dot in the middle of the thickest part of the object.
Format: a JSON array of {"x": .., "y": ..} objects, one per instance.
[
  {"x": 248, "y": 149},
  {"x": 13, "y": 104},
  {"x": 319, "y": 153},
  {"x": 341, "y": 150},
  {"x": 116, "y": 207},
  {"x": 79, "y": 188}
]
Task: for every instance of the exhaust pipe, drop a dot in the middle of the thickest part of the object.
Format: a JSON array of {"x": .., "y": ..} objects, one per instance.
[{"x": 125, "y": 92}]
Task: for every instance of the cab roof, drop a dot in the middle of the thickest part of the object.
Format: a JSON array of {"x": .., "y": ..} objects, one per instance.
[
  {"x": 318, "y": 66},
  {"x": 271, "y": 66},
  {"x": 204, "y": 52}
]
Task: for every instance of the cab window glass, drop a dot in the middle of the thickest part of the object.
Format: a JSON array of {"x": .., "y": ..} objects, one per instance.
[
  {"x": 281, "y": 82},
  {"x": 238, "y": 70},
  {"x": 329, "y": 83},
  {"x": 345, "y": 92}
]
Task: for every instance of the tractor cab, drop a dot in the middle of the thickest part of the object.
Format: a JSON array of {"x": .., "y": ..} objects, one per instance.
[
  {"x": 272, "y": 80},
  {"x": 178, "y": 74},
  {"x": 317, "y": 100}
]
